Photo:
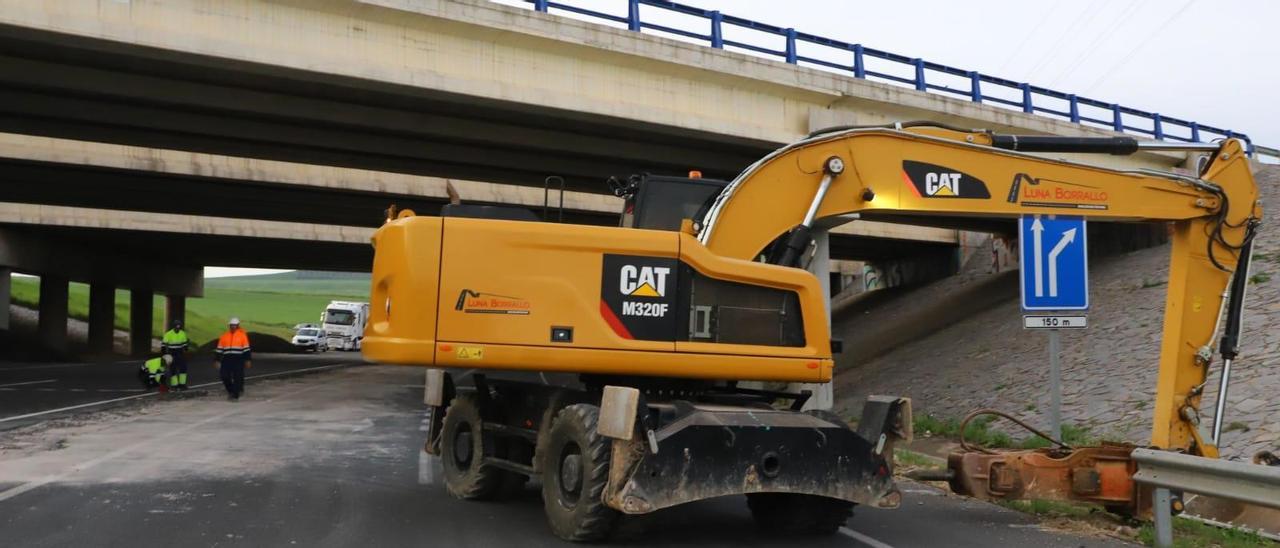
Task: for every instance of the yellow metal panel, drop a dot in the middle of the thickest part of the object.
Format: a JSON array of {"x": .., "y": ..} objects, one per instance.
[
  {"x": 516, "y": 280},
  {"x": 627, "y": 362},
  {"x": 804, "y": 284},
  {"x": 405, "y": 277}
]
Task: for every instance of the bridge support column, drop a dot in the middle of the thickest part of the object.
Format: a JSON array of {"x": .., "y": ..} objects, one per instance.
[
  {"x": 175, "y": 309},
  {"x": 102, "y": 317},
  {"x": 823, "y": 394},
  {"x": 52, "y": 322},
  {"x": 6, "y": 277},
  {"x": 140, "y": 321}
]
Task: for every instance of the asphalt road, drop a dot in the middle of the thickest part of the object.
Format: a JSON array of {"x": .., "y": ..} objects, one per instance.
[
  {"x": 334, "y": 459},
  {"x": 32, "y": 392}
]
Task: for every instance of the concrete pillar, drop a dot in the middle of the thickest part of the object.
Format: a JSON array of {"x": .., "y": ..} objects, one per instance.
[
  {"x": 175, "y": 309},
  {"x": 53, "y": 312},
  {"x": 140, "y": 321},
  {"x": 823, "y": 396},
  {"x": 102, "y": 317},
  {"x": 6, "y": 277}
]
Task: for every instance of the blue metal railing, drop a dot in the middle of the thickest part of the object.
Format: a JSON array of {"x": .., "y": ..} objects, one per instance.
[{"x": 980, "y": 88}]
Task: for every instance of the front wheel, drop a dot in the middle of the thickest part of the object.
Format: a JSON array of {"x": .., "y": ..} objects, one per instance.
[
  {"x": 462, "y": 452},
  {"x": 574, "y": 476}
]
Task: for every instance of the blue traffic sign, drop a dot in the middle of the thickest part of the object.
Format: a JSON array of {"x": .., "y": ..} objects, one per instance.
[{"x": 1055, "y": 263}]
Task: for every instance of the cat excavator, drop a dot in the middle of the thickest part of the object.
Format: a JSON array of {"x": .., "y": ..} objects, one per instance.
[{"x": 614, "y": 363}]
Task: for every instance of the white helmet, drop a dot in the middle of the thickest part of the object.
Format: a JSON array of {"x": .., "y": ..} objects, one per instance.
[
  {"x": 168, "y": 360},
  {"x": 233, "y": 321}
]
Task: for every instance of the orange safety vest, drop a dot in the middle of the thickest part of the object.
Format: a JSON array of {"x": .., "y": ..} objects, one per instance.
[{"x": 233, "y": 344}]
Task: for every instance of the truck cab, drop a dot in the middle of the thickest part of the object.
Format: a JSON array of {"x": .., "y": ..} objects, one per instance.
[{"x": 343, "y": 323}]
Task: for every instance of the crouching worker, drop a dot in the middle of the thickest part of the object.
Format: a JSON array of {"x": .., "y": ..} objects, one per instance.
[{"x": 151, "y": 373}]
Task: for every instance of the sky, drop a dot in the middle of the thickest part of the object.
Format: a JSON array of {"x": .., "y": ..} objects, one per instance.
[{"x": 1212, "y": 62}]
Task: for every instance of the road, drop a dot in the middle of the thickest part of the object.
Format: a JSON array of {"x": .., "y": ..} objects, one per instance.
[
  {"x": 334, "y": 459},
  {"x": 32, "y": 392}
]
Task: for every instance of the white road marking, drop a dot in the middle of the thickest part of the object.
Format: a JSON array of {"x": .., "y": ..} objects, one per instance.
[
  {"x": 29, "y": 382},
  {"x": 15, "y": 491},
  {"x": 873, "y": 543},
  {"x": 149, "y": 394},
  {"x": 427, "y": 468}
]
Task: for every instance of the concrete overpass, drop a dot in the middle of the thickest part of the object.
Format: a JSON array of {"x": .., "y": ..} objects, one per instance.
[{"x": 227, "y": 130}]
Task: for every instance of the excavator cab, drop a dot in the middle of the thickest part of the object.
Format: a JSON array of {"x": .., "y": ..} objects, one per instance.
[{"x": 659, "y": 202}]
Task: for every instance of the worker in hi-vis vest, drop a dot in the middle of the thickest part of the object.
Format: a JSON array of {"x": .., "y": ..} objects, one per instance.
[
  {"x": 151, "y": 373},
  {"x": 175, "y": 343},
  {"x": 232, "y": 357}
]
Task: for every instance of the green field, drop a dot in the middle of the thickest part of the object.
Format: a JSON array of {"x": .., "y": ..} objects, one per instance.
[{"x": 271, "y": 303}]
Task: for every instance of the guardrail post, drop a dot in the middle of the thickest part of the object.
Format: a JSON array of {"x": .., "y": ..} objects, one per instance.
[
  {"x": 540, "y": 5},
  {"x": 1157, "y": 127},
  {"x": 1117, "y": 121},
  {"x": 859, "y": 69},
  {"x": 633, "y": 15},
  {"x": 920, "y": 85},
  {"x": 1162, "y": 513},
  {"x": 717, "y": 34},
  {"x": 1075, "y": 108},
  {"x": 791, "y": 46},
  {"x": 975, "y": 86},
  {"x": 1026, "y": 99},
  {"x": 1195, "y": 132}
]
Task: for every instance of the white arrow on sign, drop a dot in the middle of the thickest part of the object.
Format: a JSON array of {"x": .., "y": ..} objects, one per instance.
[
  {"x": 1067, "y": 237},
  {"x": 1036, "y": 229}
]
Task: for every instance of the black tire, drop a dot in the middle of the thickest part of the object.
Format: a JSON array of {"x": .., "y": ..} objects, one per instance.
[
  {"x": 573, "y": 501},
  {"x": 462, "y": 450},
  {"x": 797, "y": 514}
]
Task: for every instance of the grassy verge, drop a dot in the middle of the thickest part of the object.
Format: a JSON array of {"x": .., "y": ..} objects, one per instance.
[
  {"x": 1193, "y": 534},
  {"x": 980, "y": 432},
  {"x": 271, "y": 311}
]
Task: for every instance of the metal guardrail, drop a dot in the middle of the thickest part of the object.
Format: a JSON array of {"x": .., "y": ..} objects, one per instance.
[
  {"x": 1164, "y": 470},
  {"x": 979, "y": 88}
]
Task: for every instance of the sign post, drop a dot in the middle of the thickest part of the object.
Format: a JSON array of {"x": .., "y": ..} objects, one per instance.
[{"x": 1055, "y": 277}]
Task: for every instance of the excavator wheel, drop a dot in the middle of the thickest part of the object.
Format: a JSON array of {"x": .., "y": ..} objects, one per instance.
[
  {"x": 574, "y": 475},
  {"x": 462, "y": 451},
  {"x": 797, "y": 514}
]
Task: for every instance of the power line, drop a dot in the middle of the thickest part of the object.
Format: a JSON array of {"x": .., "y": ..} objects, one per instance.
[
  {"x": 1106, "y": 34},
  {"x": 1067, "y": 32},
  {"x": 1025, "y": 39},
  {"x": 1124, "y": 59}
]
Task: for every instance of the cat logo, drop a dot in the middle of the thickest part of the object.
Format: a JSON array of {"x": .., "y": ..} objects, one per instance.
[
  {"x": 942, "y": 184},
  {"x": 926, "y": 180},
  {"x": 644, "y": 281}
]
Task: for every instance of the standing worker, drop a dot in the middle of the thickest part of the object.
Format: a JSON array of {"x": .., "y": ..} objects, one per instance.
[
  {"x": 232, "y": 357},
  {"x": 176, "y": 344}
]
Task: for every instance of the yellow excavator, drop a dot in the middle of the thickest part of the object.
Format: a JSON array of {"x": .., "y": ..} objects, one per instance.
[{"x": 611, "y": 363}]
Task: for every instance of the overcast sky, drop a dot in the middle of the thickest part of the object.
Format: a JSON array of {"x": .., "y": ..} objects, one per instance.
[{"x": 1216, "y": 62}]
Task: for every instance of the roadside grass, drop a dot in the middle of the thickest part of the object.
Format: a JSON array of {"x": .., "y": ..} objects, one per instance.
[
  {"x": 1194, "y": 534},
  {"x": 980, "y": 432},
  {"x": 270, "y": 312},
  {"x": 906, "y": 457},
  {"x": 1051, "y": 508}
]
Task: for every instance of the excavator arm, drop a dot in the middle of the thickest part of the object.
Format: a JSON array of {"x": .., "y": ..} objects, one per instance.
[{"x": 931, "y": 175}]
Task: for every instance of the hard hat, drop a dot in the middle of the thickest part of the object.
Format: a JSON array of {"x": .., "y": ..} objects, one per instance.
[
  {"x": 167, "y": 359},
  {"x": 233, "y": 321}
]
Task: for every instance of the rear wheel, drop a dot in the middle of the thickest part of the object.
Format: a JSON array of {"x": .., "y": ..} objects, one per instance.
[
  {"x": 574, "y": 476},
  {"x": 793, "y": 513},
  {"x": 462, "y": 452}
]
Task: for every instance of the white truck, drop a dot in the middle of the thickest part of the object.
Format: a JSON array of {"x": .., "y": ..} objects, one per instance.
[{"x": 343, "y": 323}]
